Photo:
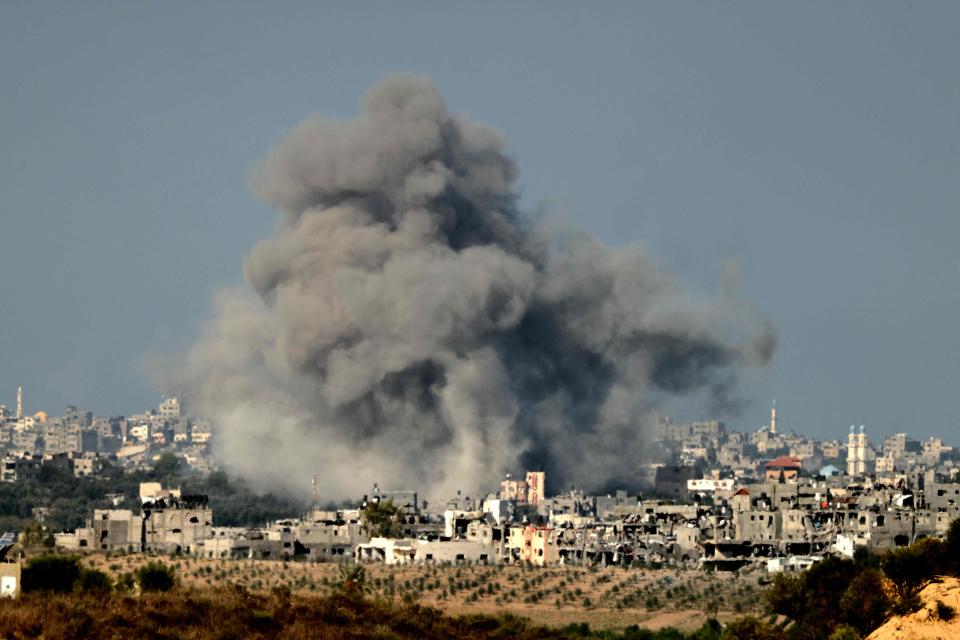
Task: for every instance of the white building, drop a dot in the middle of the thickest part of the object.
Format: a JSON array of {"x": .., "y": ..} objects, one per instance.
[{"x": 410, "y": 551}]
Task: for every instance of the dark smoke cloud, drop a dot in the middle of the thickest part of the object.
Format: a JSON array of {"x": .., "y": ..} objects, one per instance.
[{"x": 411, "y": 327}]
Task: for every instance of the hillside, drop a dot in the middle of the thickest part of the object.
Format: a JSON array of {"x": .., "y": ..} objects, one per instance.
[{"x": 926, "y": 624}]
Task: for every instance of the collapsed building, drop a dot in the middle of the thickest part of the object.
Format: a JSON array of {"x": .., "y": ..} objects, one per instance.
[
  {"x": 168, "y": 522},
  {"x": 785, "y": 521},
  {"x": 320, "y": 536}
]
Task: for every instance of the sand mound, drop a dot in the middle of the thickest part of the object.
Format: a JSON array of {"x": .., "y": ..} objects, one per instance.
[{"x": 925, "y": 623}]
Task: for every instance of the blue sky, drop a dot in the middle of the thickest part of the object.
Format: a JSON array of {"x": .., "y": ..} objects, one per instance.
[{"x": 816, "y": 145}]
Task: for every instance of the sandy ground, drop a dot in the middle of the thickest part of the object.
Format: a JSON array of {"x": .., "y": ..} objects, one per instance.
[{"x": 925, "y": 623}]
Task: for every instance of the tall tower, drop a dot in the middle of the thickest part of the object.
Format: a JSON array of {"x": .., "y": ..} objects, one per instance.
[
  {"x": 19, "y": 403},
  {"x": 773, "y": 417},
  {"x": 862, "y": 451},
  {"x": 852, "y": 452}
]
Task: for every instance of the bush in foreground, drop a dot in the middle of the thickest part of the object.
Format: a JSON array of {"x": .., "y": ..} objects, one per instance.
[
  {"x": 93, "y": 581},
  {"x": 50, "y": 573},
  {"x": 155, "y": 576}
]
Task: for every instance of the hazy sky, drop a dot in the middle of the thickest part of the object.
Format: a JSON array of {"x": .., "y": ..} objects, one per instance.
[{"x": 815, "y": 145}]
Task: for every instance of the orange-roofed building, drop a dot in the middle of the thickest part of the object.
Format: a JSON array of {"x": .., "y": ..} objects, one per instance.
[
  {"x": 740, "y": 501},
  {"x": 783, "y": 469}
]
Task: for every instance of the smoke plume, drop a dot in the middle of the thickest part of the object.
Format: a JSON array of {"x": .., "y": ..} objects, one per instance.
[{"x": 408, "y": 325}]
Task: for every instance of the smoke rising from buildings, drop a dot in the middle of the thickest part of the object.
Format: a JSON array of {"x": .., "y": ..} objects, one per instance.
[{"x": 409, "y": 325}]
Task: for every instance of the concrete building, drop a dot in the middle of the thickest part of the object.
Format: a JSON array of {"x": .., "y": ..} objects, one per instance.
[
  {"x": 393, "y": 551},
  {"x": 24, "y": 467},
  {"x": 513, "y": 489},
  {"x": 172, "y": 522},
  {"x": 534, "y": 545},
  {"x": 536, "y": 487},
  {"x": 710, "y": 485},
  {"x": 169, "y": 408},
  {"x": 782, "y": 469},
  {"x": 671, "y": 480},
  {"x": 112, "y": 530}
]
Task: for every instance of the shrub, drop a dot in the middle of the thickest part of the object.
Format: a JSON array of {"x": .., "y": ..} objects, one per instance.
[
  {"x": 155, "y": 576},
  {"x": 945, "y": 612},
  {"x": 50, "y": 572},
  {"x": 93, "y": 581},
  {"x": 711, "y": 630},
  {"x": 751, "y": 628},
  {"x": 911, "y": 568},
  {"x": 125, "y": 582},
  {"x": 845, "y": 632}
]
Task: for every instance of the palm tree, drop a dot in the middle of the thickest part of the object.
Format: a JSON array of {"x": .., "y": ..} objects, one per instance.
[{"x": 352, "y": 581}]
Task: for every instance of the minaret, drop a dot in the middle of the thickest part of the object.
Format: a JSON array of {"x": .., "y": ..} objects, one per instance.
[
  {"x": 852, "y": 452},
  {"x": 19, "y": 403},
  {"x": 862, "y": 452},
  {"x": 773, "y": 417}
]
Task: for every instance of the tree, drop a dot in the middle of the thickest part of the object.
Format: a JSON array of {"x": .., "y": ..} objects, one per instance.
[
  {"x": 863, "y": 557},
  {"x": 751, "y": 628},
  {"x": 50, "y": 572},
  {"x": 911, "y": 568},
  {"x": 352, "y": 581},
  {"x": 35, "y": 534},
  {"x": 786, "y": 595},
  {"x": 167, "y": 467},
  {"x": 825, "y": 583},
  {"x": 951, "y": 549},
  {"x": 383, "y": 519},
  {"x": 865, "y": 603},
  {"x": 155, "y": 576}
]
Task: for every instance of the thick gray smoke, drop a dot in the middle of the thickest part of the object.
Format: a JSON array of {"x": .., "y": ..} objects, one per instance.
[{"x": 411, "y": 327}]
